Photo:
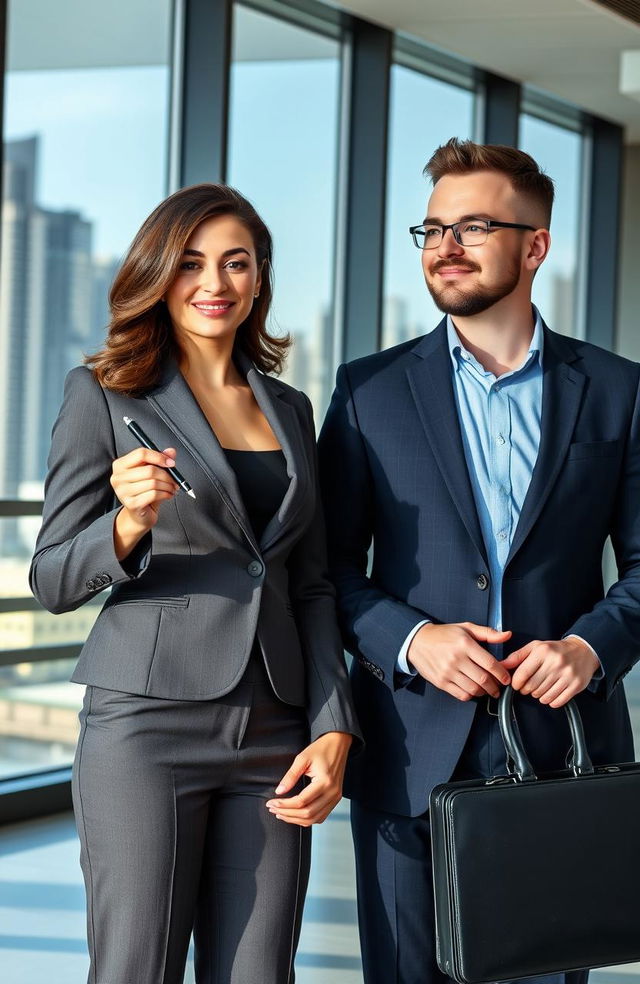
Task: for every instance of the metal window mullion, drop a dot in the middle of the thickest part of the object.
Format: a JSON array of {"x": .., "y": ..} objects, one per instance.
[
  {"x": 363, "y": 255},
  {"x": 20, "y": 507},
  {"x": 202, "y": 102},
  {"x": 604, "y": 196},
  {"x": 34, "y": 795},
  {"x": 39, "y": 654},
  {"x": 499, "y": 110}
]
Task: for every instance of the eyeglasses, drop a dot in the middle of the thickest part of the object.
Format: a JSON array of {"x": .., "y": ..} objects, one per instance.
[{"x": 468, "y": 232}]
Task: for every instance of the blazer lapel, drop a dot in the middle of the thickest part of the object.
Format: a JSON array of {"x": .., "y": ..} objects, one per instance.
[
  {"x": 562, "y": 389},
  {"x": 430, "y": 380},
  {"x": 174, "y": 402},
  {"x": 179, "y": 409},
  {"x": 285, "y": 424}
]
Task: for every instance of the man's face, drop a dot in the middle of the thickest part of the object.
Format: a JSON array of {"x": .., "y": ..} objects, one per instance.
[{"x": 465, "y": 281}]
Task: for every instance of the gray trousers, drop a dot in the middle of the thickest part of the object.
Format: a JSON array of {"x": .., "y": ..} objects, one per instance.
[
  {"x": 395, "y": 885},
  {"x": 175, "y": 836}
]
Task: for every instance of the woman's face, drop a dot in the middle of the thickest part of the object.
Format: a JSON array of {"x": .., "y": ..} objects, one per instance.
[{"x": 216, "y": 283}]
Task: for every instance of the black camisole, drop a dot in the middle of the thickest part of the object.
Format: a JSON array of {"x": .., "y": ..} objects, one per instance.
[{"x": 262, "y": 480}]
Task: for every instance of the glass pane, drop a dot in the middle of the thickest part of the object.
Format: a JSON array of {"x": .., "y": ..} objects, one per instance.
[
  {"x": 38, "y": 716},
  {"x": 425, "y": 112},
  {"x": 17, "y": 539},
  {"x": 84, "y": 161},
  {"x": 85, "y": 138},
  {"x": 559, "y": 152},
  {"x": 283, "y": 156}
]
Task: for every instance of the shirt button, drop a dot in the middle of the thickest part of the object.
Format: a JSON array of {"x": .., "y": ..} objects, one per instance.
[
  {"x": 500, "y": 439},
  {"x": 255, "y": 568},
  {"x": 482, "y": 582},
  {"x": 502, "y": 535}
]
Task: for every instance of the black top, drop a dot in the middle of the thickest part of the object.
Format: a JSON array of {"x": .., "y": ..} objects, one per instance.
[{"x": 262, "y": 480}]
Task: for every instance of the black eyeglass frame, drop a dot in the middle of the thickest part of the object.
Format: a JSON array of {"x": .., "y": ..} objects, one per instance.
[{"x": 492, "y": 225}]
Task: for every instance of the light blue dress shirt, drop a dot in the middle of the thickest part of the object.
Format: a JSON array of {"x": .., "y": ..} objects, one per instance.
[{"x": 500, "y": 424}]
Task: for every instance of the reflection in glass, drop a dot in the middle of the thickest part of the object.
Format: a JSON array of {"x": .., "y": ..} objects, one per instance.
[
  {"x": 559, "y": 153},
  {"x": 425, "y": 112},
  {"x": 283, "y": 157}
]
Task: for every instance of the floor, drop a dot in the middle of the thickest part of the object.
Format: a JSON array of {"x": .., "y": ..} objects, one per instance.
[{"x": 42, "y": 909}]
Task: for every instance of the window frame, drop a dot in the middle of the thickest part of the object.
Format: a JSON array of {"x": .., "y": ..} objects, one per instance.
[{"x": 197, "y": 150}]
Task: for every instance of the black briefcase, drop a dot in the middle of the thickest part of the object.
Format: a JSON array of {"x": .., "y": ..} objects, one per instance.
[{"x": 537, "y": 875}]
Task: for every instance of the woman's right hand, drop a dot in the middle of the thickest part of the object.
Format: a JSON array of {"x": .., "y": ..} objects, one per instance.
[{"x": 141, "y": 482}]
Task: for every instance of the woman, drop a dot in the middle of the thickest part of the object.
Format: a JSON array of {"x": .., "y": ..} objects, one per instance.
[{"x": 215, "y": 677}]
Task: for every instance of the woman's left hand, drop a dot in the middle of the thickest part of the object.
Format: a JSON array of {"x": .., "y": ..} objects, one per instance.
[{"x": 324, "y": 762}]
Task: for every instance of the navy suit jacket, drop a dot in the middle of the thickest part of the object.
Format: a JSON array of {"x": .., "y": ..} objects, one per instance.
[{"x": 393, "y": 472}]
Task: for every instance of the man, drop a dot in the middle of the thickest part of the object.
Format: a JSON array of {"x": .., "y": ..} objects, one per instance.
[{"x": 487, "y": 462}]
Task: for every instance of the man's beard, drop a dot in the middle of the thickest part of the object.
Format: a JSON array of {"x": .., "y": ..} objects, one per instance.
[{"x": 465, "y": 303}]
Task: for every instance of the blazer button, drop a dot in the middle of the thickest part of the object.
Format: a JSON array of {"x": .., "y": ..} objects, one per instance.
[
  {"x": 255, "y": 568},
  {"x": 106, "y": 578},
  {"x": 91, "y": 585},
  {"x": 482, "y": 582}
]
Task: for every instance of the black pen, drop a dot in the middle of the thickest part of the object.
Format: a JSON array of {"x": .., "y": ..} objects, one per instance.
[{"x": 138, "y": 433}]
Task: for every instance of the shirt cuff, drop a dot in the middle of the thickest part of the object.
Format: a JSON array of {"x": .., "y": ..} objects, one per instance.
[
  {"x": 402, "y": 664},
  {"x": 599, "y": 674}
]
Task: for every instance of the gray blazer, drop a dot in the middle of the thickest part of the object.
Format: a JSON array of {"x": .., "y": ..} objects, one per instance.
[{"x": 186, "y": 605}]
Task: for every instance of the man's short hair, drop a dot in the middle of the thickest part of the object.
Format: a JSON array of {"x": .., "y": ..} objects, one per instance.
[{"x": 526, "y": 176}]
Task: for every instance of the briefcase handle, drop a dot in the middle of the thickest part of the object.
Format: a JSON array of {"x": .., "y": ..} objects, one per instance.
[{"x": 523, "y": 770}]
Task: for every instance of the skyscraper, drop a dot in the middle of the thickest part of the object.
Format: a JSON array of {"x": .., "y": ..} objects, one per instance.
[
  {"x": 45, "y": 322},
  {"x": 45, "y": 315}
]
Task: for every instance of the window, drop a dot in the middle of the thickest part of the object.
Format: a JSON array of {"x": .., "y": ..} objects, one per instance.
[
  {"x": 559, "y": 152},
  {"x": 86, "y": 113},
  {"x": 284, "y": 123},
  {"x": 425, "y": 112}
]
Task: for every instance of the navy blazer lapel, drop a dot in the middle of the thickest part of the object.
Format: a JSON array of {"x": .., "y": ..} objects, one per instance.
[
  {"x": 562, "y": 388},
  {"x": 174, "y": 402},
  {"x": 430, "y": 379}
]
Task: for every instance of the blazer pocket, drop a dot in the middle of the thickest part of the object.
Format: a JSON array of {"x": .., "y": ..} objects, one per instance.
[
  {"x": 593, "y": 449},
  {"x": 177, "y": 601}
]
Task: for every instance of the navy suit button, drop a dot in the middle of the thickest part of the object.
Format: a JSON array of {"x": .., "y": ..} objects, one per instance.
[
  {"x": 255, "y": 568},
  {"x": 482, "y": 582}
]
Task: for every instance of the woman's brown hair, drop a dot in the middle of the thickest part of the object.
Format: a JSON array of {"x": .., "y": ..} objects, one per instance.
[
  {"x": 526, "y": 177},
  {"x": 140, "y": 334}
]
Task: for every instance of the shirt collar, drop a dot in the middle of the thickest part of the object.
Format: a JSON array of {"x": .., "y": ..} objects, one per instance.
[{"x": 459, "y": 353}]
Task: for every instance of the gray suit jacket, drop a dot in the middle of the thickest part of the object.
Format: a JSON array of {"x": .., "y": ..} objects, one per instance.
[{"x": 187, "y": 604}]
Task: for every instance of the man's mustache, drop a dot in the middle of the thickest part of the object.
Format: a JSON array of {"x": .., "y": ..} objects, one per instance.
[{"x": 448, "y": 265}]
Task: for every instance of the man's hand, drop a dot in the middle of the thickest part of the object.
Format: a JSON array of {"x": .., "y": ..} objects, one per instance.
[
  {"x": 552, "y": 672},
  {"x": 324, "y": 762},
  {"x": 450, "y": 657}
]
